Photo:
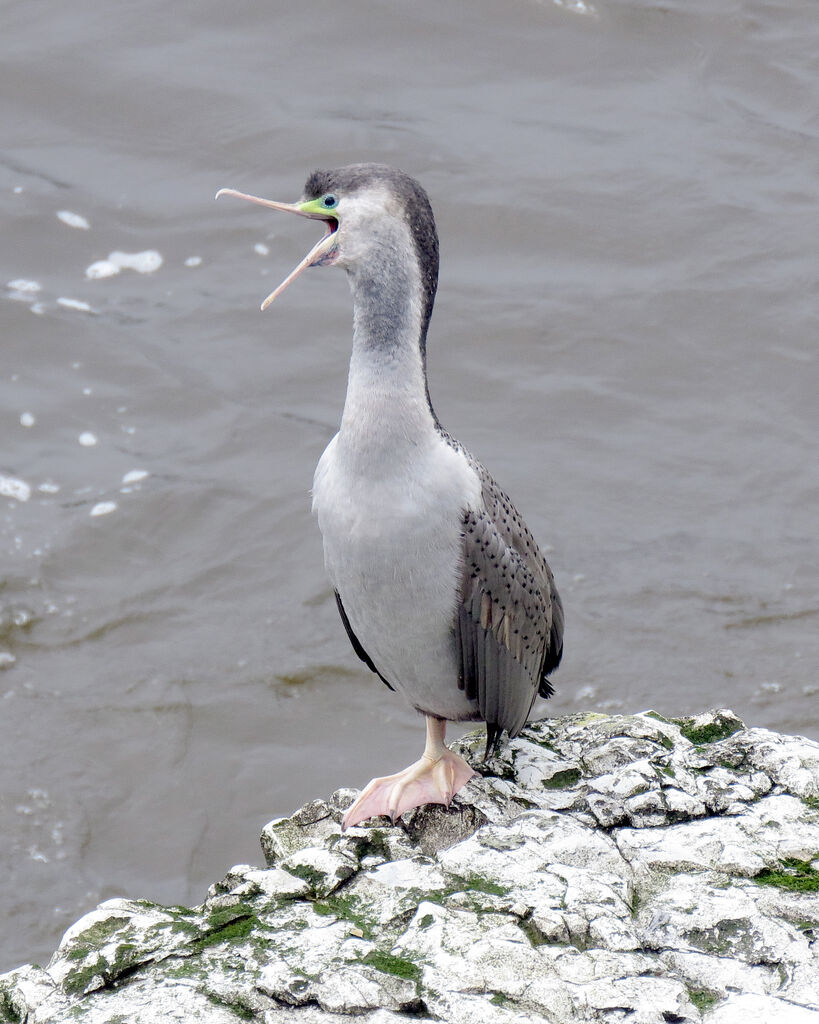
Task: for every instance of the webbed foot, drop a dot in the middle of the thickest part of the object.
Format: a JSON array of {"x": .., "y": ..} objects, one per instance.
[{"x": 434, "y": 779}]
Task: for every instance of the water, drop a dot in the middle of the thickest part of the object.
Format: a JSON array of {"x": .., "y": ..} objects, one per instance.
[{"x": 625, "y": 335}]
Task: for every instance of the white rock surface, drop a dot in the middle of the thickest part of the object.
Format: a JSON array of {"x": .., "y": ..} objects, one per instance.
[{"x": 603, "y": 869}]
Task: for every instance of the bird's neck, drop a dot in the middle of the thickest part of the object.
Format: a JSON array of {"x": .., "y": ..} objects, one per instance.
[{"x": 387, "y": 412}]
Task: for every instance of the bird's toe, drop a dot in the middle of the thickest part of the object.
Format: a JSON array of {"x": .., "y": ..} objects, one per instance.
[{"x": 424, "y": 782}]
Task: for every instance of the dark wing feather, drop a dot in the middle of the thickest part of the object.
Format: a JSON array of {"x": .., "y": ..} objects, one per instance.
[
  {"x": 555, "y": 651},
  {"x": 359, "y": 650},
  {"x": 509, "y": 626}
]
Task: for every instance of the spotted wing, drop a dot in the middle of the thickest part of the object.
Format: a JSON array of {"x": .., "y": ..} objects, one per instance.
[{"x": 509, "y": 627}]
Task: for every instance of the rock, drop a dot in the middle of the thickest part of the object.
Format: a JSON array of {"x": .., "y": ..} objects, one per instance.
[{"x": 603, "y": 868}]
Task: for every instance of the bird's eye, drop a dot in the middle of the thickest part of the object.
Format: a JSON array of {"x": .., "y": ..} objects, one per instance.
[{"x": 329, "y": 202}]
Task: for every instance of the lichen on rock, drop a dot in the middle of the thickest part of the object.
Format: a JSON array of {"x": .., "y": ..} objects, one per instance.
[{"x": 601, "y": 868}]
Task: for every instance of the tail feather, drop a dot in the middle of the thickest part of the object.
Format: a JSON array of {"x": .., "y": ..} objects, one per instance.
[{"x": 493, "y": 738}]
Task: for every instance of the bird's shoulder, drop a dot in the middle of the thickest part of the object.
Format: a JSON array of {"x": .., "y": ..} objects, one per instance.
[
  {"x": 429, "y": 475},
  {"x": 492, "y": 520}
]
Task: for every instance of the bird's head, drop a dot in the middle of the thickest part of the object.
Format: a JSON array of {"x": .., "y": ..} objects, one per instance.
[{"x": 368, "y": 211}]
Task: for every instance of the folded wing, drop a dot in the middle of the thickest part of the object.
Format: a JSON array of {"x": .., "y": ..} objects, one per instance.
[{"x": 509, "y": 627}]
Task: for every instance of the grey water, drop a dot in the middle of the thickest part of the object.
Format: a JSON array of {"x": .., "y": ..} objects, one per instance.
[{"x": 625, "y": 334}]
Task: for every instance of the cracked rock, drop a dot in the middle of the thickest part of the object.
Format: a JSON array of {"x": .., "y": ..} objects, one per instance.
[{"x": 602, "y": 868}]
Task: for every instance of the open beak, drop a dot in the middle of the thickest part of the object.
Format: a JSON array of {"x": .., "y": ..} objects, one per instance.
[{"x": 320, "y": 253}]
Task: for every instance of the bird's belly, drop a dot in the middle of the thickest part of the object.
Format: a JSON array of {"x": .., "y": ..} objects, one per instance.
[{"x": 393, "y": 551}]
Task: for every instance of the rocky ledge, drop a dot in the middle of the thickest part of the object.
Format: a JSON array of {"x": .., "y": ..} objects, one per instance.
[{"x": 624, "y": 868}]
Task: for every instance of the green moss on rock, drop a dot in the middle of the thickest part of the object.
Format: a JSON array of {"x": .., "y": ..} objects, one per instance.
[
  {"x": 476, "y": 883},
  {"x": 8, "y": 1012},
  {"x": 346, "y": 908},
  {"x": 187, "y": 968},
  {"x": 532, "y": 932},
  {"x": 796, "y": 875},
  {"x": 239, "y": 1008},
  {"x": 95, "y": 936},
  {"x": 702, "y": 998},
  {"x": 376, "y": 844},
  {"x": 77, "y": 981},
  {"x": 225, "y": 915},
  {"x": 563, "y": 779},
  {"x": 307, "y": 873},
  {"x": 398, "y": 966},
  {"x": 711, "y": 732},
  {"x": 232, "y": 932}
]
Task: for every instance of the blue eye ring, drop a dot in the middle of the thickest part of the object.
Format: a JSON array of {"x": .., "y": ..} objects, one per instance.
[{"x": 330, "y": 201}]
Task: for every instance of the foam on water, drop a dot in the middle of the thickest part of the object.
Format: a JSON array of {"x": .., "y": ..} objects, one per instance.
[
  {"x": 12, "y": 487},
  {"x": 77, "y": 304},
  {"x": 135, "y": 475},
  {"x": 145, "y": 262},
  {"x": 102, "y": 268},
  {"x": 87, "y": 439},
  {"x": 103, "y": 508},
  {"x": 73, "y": 220},
  {"x": 576, "y": 6},
  {"x": 22, "y": 288}
]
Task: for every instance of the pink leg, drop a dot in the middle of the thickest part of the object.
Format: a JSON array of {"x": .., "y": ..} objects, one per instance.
[{"x": 434, "y": 779}]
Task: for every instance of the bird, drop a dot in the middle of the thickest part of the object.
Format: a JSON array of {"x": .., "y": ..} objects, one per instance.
[{"x": 441, "y": 587}]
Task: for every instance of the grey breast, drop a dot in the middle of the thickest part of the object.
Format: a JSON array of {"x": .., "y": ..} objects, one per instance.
[{"x": 509, "y": 628}]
